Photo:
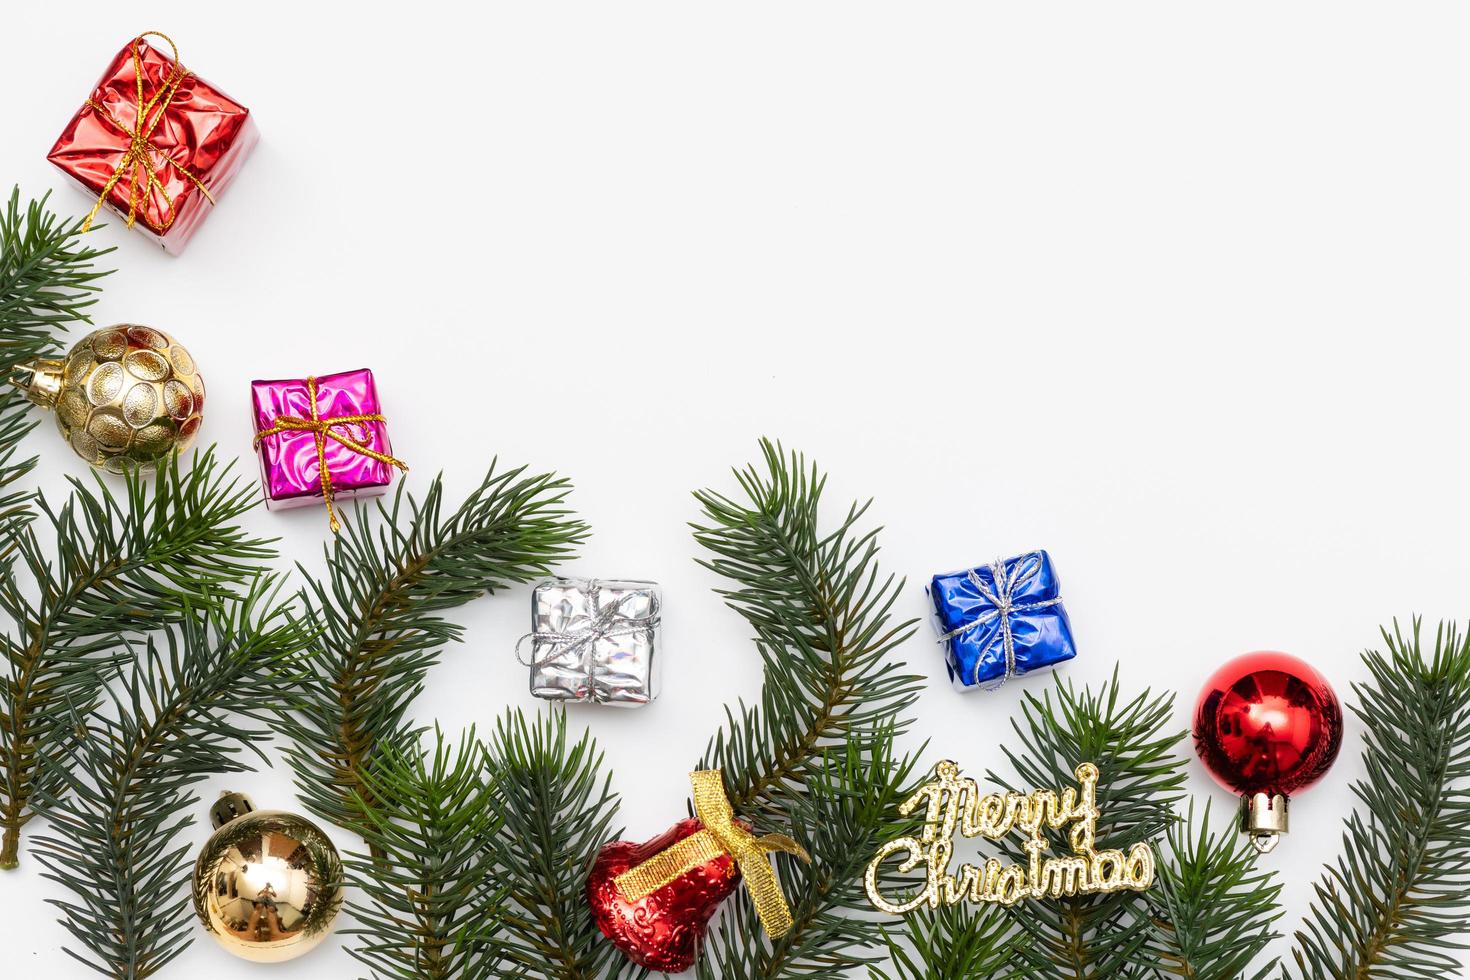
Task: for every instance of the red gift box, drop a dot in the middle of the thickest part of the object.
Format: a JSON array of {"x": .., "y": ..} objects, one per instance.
[{"x": 155, "y": 143}]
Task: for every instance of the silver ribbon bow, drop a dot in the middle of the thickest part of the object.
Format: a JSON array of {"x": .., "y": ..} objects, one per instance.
[
  {"x": 1002, "y": 598},
  {"x": 606, "y": 621}
]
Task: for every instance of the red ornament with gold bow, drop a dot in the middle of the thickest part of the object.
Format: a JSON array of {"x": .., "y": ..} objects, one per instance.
[
  {"x": 654, "y": 900},
  {"x": 155, "y": 143}
]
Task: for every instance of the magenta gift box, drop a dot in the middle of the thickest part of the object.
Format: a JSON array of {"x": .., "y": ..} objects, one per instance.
[{"x": 290, "y": 470}]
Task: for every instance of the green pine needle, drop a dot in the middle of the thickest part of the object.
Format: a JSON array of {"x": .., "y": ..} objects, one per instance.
[
  {"x": 117, "y": 796},
  {"x": 1095, "y": 937},
  {"x": 1212, "y": 909},
  {"x": 954, "y": 942},
  {"x": 379, "y": 619},
  {"x": 821, "y": 611},
  {"x": 430, "y": 885},
  {"x": 83, "y": 575},
  {"x": 1394, "y": 905},
  {"x": 815, "y": 759},
  {"x": 16, "y": 510},
  {"x": 379, "y": 615},
  {"x": 558, "y": 808},
  {"x": 47, "y": 280}
]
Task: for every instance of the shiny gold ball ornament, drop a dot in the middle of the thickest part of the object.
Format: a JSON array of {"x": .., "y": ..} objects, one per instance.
[
  {"x": 268, "y": 884},
  {"x": 124, "y": 396}
]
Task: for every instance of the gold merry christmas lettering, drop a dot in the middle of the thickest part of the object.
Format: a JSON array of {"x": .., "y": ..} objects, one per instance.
[{"x": 954, "y": 804}]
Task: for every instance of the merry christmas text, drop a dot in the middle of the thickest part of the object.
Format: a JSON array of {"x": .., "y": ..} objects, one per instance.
[{"x": 954, "y": 803}]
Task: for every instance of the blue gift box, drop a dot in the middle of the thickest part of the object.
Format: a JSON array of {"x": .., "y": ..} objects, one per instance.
[{"x": 1001, "y": 620}]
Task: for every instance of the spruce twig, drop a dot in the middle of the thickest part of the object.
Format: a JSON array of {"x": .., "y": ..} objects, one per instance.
[
  {"x": 16, "y": 508},
  {"x": 955, "y": 942},
  {"x": 379, "y": 614},
  {"x": 118, "y": 795},
  {"x": 816, "y": 757},
  {"x": 1211, "y": 911},
  {"x": 821, "y": 611},
  {"x": 558, "y": 807},
  {"x": 110, "y": 565},
  {"x": 1394, "y": 903},
  {"x": 1100, "y": 936},
  {"x": 48, "y": 280},
  {"x": 432, "y": 895}
]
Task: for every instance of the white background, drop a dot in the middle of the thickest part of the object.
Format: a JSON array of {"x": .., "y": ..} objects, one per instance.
[{"x": 1175, "y": 291}]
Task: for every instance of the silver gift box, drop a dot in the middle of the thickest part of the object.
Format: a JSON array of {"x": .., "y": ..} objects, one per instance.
[{"x": 595, "y": 640}]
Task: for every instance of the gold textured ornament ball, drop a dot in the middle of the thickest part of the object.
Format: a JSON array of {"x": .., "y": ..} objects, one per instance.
[
  {"x": 268, "y": 884},
  {"x": 124, "y": 396}
]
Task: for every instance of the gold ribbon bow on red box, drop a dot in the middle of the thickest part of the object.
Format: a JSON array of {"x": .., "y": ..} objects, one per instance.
[{"x": 138, "y": 163}]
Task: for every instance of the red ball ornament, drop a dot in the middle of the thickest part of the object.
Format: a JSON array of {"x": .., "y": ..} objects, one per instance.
[
  {"x": 1267, "y": 725},
  {"x": 661, "y": 931}
]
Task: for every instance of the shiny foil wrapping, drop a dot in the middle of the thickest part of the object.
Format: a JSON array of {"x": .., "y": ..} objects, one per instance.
[
  {"x": 201, "y": 130},
  {"x": 595, "y": 640},
  {"x": 268, "y": 885},
  {"x": 1030, "y": 611},
  {"x": 1269, "y": 723},
  {"x": 661, "y": 931},
  {"x": 290, "y": 470}
]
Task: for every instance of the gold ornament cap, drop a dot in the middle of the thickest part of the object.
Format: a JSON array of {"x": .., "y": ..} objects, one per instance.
[
  {"x": 1265, "y": 817},
  {"x": 39, "y": 380},
  {"x": 268, "y": 884},
  {"x": 229, "y": 808}
]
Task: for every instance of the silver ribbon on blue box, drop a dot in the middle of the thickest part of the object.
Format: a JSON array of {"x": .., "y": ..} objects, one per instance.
[
  {"x": 594, "y": 640},
  {"x": 1001, "y": 620}
]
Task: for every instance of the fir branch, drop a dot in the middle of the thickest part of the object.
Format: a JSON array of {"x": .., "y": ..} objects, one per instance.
[
  {"x": 558, "y": 809},
  {"x": 1392, "y": 905},
  {"x": 847, "y": 810},
  {"x": 47, "y": 279},
  {"x": 16, "y": 508},
  {"x": 1211, "y": 911},
  {"x": 953, "y": 942},
  {"x": 122, "y": 564},
  {"x": 820, "y": 609},
  {"x": 120, "y": 800},
  {"x": 1095, "y": 937},
  {"x": 816, "y": 757},
  {"x": 432, "y": 895},
  {"x": 379, "y": 617}
]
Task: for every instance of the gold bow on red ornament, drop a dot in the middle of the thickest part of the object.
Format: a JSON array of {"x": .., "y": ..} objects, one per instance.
[{"x": 721, "y": 835}]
